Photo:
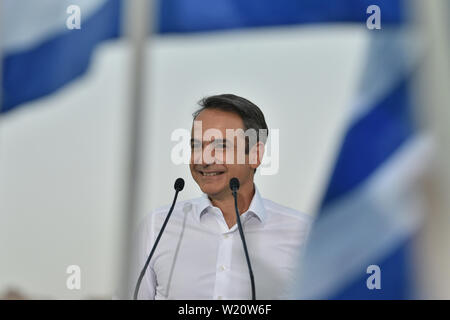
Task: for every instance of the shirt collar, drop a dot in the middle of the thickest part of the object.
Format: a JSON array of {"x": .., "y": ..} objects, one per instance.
[{"x": 256, "y": 206}]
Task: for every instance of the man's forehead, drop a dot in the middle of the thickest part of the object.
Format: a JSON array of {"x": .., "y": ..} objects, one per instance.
[
  {"x": 218, "y": 135},
  {"x": 218, "y": 119}
]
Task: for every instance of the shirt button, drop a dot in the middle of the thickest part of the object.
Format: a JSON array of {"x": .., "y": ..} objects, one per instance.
[
  {"x": 219, "y": 298},
  {"x": 222, "y": 268},
  {"x": 225, "y": 236}
]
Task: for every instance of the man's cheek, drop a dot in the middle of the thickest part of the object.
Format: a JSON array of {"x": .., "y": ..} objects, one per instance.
[
  {"x": 229, "y": 157},
  {"x": 220, "y": 156}
]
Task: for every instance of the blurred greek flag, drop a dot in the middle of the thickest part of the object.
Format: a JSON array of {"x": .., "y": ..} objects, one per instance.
[
  {"x": 40, "y": 53},
  {"x": 373, "y": 203}
]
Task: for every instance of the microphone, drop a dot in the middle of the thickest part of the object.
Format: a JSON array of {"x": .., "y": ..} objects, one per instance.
[
  {"x": 178, "y": 186},
  {"x": 234, "y": 186}
]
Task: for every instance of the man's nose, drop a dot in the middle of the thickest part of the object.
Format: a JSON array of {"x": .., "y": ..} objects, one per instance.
[{"x": 209, "y": 156}]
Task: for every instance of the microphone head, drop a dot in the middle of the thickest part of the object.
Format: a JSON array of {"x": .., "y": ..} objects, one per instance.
[
  {"x": 234, "y": 184},
  {"x": 179, "y": 184}
]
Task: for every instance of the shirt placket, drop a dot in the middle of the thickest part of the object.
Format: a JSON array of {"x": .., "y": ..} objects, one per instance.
[{"x": 223, "y": 265}]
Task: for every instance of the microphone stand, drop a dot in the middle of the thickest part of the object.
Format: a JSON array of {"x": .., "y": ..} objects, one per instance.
[{"x": 234, "y": 185}]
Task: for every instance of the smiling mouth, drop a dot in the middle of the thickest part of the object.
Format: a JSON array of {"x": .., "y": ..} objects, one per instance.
[{"x": 211, "y": 174}]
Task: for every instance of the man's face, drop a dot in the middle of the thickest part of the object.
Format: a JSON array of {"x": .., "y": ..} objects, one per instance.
[{"x": 214, "y": 156}]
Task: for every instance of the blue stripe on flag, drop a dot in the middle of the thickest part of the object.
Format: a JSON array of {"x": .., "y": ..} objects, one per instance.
[
  {"x": 34, "y": 73},
  {"x": 396, "y": 279},
  {"x": 199, "y": 15},
  {"x": 370, "y": 141}
]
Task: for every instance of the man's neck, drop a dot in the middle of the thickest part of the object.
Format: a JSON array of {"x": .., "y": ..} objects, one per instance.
[{"x": 226, "y": 204}]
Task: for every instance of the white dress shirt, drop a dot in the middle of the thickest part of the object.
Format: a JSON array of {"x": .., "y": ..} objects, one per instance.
[{"x": 199, "y": 257}]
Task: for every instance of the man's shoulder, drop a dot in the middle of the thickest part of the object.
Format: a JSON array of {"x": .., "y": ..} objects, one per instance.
[{"x": 278, "y": 211}]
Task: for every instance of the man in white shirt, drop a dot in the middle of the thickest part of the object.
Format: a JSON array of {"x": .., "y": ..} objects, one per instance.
[{"x": 200, "y": 255}]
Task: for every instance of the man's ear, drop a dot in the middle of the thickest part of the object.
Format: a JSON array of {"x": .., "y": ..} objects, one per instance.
[{"x": 255, "y": 155}]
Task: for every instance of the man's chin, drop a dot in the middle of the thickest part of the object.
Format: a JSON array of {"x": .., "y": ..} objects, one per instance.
[{"x": 212, "y": 190}]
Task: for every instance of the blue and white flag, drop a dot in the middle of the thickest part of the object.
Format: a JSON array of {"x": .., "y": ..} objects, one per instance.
[
  {"x": 40, "y": 53},
  {"x": 360, "y": 244}
]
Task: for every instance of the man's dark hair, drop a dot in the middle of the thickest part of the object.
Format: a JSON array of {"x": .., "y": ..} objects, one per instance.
[{"x": 251, "y": 115}]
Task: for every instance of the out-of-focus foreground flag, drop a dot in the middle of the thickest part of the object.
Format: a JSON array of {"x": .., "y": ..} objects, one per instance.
[
  {"x": 360, "y": 246},
  {"x": 40, "y": 53}
]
